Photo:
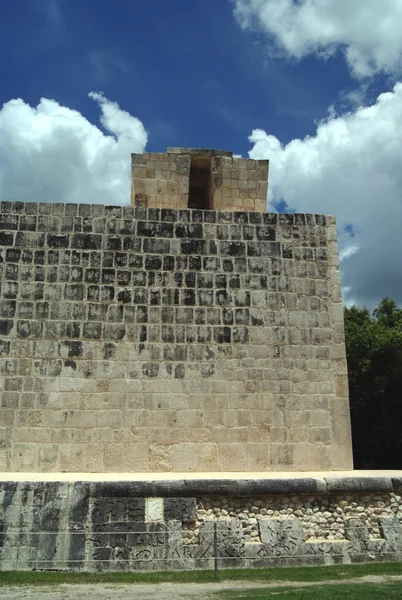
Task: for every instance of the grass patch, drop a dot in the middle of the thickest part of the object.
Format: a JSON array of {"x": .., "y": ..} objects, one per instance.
[
  {"x": 308, "y": 574},
  {"x": 57, "y": 577},
  {"x": 388, "y": 591}
]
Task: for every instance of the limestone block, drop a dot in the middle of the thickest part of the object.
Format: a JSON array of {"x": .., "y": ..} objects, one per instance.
[
  {"x": 219, "y": 434},
  {"x": 23, "y": 458},
  {"x": 317, "y": 454},
  {"x": 71, "y": 457},
  {"x": 160, "y": 458},
  {"x": 320, "y": 418},
  {"x": 341, "y": 386},
  {"x": 390, "y": 529},
  {"x": 357, "y": 533},
  {"x": 4, "y": 460},
  {"x": 341, "y": 441},
  {"x": 258, "y": 456},
  {"x": 320, "y": 434},
  {"x": 232, "y": 457},
  {"x": 94, "y": 457},
  {"x": 48, "y": 457},
  {"x": 154, "y": 509},
  {"x": 184, "y": 457},
  {"x": 136, "y": 457}
]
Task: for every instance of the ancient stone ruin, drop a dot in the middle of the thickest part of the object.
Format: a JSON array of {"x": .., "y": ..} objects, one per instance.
[
  {"x": 199, "y": 178},
  {"x": 160, "y": 364}
]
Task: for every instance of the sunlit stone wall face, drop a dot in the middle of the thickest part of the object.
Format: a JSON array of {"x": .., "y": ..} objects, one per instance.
[{"x": 141, "y": 339}]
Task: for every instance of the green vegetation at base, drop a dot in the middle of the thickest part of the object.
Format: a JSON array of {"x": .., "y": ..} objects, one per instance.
[
  {"x": 387, "y": 591},
  {"x": 308, "y": 574}
]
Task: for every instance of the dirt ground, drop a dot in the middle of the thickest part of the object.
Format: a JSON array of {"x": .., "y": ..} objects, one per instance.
[{"x": 163, "y": 591}]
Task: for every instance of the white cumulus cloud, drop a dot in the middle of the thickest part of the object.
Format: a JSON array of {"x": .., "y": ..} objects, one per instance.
[
  {"x": 367, "y": 31},
  {"x": 52, "y": 153},
  {"x": 350, "y": 168}
]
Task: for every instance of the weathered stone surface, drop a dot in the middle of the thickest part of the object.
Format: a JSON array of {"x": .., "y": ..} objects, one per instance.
[
  {"x": 354, "y": 485},
  {"x": 390, "y": 529},
  {"x": 397, "y": 484},
  {"x": 60, "y": 525},
  {"x": 281, "y": 486},
  {"x": 281, "y": 536},
  {"x": 180, "y": 509},
  {"x": 189, "y": 488},
  {"x": 168, "y": 339}
]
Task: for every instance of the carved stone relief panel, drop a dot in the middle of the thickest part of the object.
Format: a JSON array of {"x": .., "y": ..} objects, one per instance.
[{"x": 154, "y": 510}]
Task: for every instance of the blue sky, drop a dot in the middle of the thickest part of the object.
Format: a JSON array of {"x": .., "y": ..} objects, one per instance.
[
  {"x": 301, "y": 83},
  {"x": 185, "y": 68}
]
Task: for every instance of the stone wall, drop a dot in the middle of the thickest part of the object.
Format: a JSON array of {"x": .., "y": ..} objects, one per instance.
[
  {"x": 124, "y": 526},
  {"x": 239, "y": 184},
  {"x": 160, "y": 180},
  {"x": 135, "y": 339}
]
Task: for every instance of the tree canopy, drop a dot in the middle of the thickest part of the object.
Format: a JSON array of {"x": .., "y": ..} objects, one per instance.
[{"x": 374, "y": 355}]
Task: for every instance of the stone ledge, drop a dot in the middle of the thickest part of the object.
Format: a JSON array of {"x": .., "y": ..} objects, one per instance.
[
  {"x": 215, "y": 484},
  {"x": 212, "y": 487},
  {"x": 397, "y": 484},
  {"x": 200, "y": 152},
  {"x": 358, "y": 485}
]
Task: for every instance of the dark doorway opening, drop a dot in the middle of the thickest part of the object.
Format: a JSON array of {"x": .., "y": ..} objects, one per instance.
[{"x": 199, "y": 195}]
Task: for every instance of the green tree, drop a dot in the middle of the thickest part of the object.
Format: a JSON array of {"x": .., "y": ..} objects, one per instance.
[{"x": 374, "y": 354}]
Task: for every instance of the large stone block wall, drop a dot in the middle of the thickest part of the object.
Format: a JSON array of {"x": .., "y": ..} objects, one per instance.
[
  {"x": 135, "y": 339},
  {"x": 120, "y": 526},
  {"x": 160, "y": 180},
  {"x": 239, "y": 184}
]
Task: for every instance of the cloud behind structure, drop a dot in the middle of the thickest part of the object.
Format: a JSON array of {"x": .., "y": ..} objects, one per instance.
[
  {"x": 350, "y": 168},
  {"x": 52, "y": 153}
]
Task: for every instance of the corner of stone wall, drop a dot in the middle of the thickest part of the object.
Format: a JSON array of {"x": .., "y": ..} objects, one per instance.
[{"x": 341, "y": 447}]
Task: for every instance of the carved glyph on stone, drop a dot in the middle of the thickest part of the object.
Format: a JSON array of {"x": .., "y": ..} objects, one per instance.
[
  {"x": 180, "y": 509},
  {"x": 390, "y": 529},
  {"x": 230, "y": 539},
  {"x": 281, "y": 536},
  {"x": 153, "y": 509}
]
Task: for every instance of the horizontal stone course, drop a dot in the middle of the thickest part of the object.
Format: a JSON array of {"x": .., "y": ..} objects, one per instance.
[
  {"x": 366, "y": 485},
  {"x": 13, "y": 213}
]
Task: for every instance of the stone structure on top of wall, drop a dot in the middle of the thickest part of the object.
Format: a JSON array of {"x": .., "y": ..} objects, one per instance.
[
  {"x": 191, "y": 332},
  {"x": 199, "y": 178}
]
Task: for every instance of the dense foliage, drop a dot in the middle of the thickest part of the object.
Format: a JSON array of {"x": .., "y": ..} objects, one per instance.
[{"x": 374, "y": 354}]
